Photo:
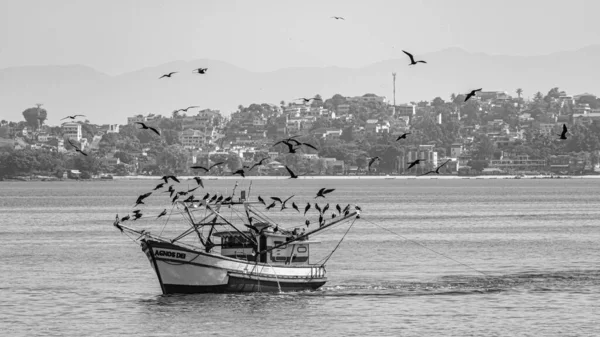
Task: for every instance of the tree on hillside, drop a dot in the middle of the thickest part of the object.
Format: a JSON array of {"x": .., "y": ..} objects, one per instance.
[
  {"x": 35, "y": 117},
  {"x": 438, "y": 101}
]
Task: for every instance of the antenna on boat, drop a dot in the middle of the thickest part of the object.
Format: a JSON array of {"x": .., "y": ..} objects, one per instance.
[{"x": 249, "y": 190}]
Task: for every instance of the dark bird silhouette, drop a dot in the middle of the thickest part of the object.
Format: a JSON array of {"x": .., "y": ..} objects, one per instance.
[
  {"x": 261, "y": 200},
  {"x": 283, "y": 203},
  {"x": 219, "y": 199},
  {"x": 175, "y": 198},
  {"x": 214, "y": 197},
  {"x": 271, "y": 206},
  {"x": 325, "y": 208},
  {"x": 240, "y": 172},
  {"x": 171, "y": 190},
  {"x": 199, "y": 181},
  {"x": 228, "y": 199},
  {"x": 206, "y": 196},
  {"x": 357, "y": 208},
  {"x": 137, "y": 216},
  {"x": 144, "y": 127},
  {"x": 200, "y": 70},
  {"x": 415, "y": 163},
  {"x": 403, "y": 136},
  {"x": 338, "y": 18},
  {"x": 137, "y": 211},
  {"x": 294, "y": 206},
  {"x": 189, "y": 199},
  {"x": 321, "y": 223},
  {"x": 292, "y": 174},
  {"x": 472, "y": 93},
  {"x": 277, "y": 199},
  {"x": 182, "y": 193},
  {"x": 288, "y": 140},
  {"x": 125, "y": 218},
  {"x": 338, "y": 208},
  {"x": 324, "y": 191},
  {"x": 259, "y": 163},
  {"x": 412, "y": 59},
  {"x": 333, "y": 215},
  {"x": 164, "y": 212},
  {"x": 207, "y": 169},
  {"x": 76, "y": 148},
  {"x": 307, "y": 222},
  {"x": 189, "y": 107},
  {"x": 372, "y": 161},
  {"x": 347, "y": 208},
  {"x": 318, "y": 208},
  {"x": 306, "y": 100},
  {"x": 437, "y": 170},
  {"x": 168, "y": 75},
  {"x": 140, "y": 199},
  {"x": 73, "y": 117},
  {"x": 563, "y": 134},
  {"x": 159, "y": 186},
  {"x": 306, "y": 208},
  {"x": 166, "y": 178}
]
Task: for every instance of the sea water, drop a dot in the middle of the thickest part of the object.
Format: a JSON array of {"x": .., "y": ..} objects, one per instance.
[{"x": 427, "y": 258}]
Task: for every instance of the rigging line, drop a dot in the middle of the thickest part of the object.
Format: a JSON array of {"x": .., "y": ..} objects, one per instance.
[
  {"x": 339, "y": 243},
  {"x": 166, "y": 222},
  {"x": 430, "y": 249}
]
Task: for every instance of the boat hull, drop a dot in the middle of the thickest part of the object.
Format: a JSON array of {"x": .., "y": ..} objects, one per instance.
[{"x": 183, "y": 270}]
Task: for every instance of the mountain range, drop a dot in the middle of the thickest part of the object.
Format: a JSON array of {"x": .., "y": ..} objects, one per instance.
[{"x": 77, "y": 89}]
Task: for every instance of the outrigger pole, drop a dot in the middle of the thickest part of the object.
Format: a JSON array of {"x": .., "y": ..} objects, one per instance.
[{"x": 309, "y": 233}]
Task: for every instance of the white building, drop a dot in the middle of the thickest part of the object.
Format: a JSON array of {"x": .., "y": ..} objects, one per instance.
[{"x": 72, "y": 131}]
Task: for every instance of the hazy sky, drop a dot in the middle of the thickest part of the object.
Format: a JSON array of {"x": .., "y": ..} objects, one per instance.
[{"x": 116, "y": 36}]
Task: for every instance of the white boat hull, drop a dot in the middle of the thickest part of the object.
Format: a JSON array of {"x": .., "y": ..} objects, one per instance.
[{"x": 184, "y": 270}]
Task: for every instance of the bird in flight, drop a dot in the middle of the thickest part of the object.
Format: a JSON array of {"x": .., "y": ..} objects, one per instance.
[
  {"x": 189, "y": 107},
  {"x": 200, "y": 70},
  {"x": 240, "y": 172},
  {"x": 412, "y": 59},
  {"x": 324, "y": 191},
  {"x": 144, "y": 126},
  {"x": 140, "y": 199},
  {"x": 166, "y": 178},
  {"x": 472, "y": 93},
  {"x": 415, "y": 163},
  {"x": 159, "y": 186},
  {"x": 338, "y": 18},
  {"x": 306, "y": 100},
  {"x": 207, "y": 169},
  {"x": 261, "y": 200},
  {"x": 164, "y": 212},
  {"x": 372, "y": 161},
  {"x": 199, "y": 181},
  {"x": 283, "y": 203},
  {"x": 168, "y": 75},
  {"x": 293, "y": 147},
  {"x": 437, "y": 170},
  {"x": 563, "y": 134},
  {"x": 76, "y": 148},
  {"x": 73, "y": 117},
  {"x": 255, "y": 164},
  {"x": 292, "y": 174},
  {"x": 403, "y": 136}
]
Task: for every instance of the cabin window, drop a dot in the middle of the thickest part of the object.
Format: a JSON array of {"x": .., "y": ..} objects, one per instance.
[
  {"x": 301, "y": 249},
  {"x": 236, "y": 242}
]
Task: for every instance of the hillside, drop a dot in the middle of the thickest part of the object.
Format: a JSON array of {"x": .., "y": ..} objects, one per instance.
[{"x": 103, "y": 98}]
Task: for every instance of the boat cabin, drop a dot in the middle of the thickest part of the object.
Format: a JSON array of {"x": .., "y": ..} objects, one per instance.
[{"x": 236, "y": 245}]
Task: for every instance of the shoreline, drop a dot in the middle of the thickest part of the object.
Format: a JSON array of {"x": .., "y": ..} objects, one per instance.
[{"x": 429, "y": 177}]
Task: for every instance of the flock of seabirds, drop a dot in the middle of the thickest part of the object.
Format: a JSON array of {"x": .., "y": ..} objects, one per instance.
[{"x": 293, "y": 145}]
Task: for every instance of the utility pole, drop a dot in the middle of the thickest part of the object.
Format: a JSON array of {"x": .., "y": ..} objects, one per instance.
[{"x": 394, "y": 96}]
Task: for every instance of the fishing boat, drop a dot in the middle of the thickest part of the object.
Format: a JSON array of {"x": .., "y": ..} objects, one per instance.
[{"x": 258, "y": 255}]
